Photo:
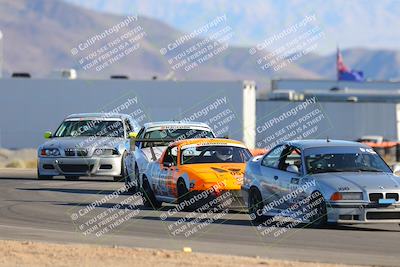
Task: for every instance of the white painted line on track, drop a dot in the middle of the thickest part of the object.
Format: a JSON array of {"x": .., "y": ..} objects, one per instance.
[{"x": 35, "y": 228}]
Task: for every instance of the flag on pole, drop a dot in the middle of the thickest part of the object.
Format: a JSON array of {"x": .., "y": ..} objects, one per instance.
[{"x": 344, "y": 73}]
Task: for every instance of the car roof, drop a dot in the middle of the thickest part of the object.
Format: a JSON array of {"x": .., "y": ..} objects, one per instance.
[
  {"x": 206, "y": 141},
  {"x": 99, "y": 115},
  {"x": 175, "y": 123},
  {"x": 313, "y": 143}
]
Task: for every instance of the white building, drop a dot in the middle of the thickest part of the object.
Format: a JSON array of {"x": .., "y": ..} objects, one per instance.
[
  {"x": 29, "y": 107},
  {"x": 1, "y": 54},
  {"x": 349, "y": 109}
]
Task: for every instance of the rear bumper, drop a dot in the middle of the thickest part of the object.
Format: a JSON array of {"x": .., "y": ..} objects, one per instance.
[
  {"x": 363, "y": 213},
  {"x": 94, "y": 166}
]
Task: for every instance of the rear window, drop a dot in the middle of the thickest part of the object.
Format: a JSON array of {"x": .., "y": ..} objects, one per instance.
[{"x": 214, "y": 154}]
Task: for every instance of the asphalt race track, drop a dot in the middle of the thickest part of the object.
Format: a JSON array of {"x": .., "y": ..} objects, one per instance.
[{"x": 41, "y": 210}]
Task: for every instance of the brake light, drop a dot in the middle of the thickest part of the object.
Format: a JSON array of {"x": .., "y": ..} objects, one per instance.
[{"x": 43, "y": 152}]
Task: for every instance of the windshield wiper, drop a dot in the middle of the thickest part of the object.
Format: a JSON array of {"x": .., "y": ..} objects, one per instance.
[
  {"x": 369, "y": 170},
  {"x": 327, "y": 170}
]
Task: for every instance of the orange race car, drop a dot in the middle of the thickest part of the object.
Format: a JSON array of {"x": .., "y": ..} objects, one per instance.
[{"x": 196, "y": 174}]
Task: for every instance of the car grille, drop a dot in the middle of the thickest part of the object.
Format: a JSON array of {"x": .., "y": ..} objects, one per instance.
[
  {"x": 73, "y": 152},
  {"x": 81, "y": 152},
  {"x": 374, "y": 197},
  {"x": 76, "y": 167},
  {"x": 383, "y": 215},
  {"x": 394, "y": 196},
  {"x": 69, "y": 153}
]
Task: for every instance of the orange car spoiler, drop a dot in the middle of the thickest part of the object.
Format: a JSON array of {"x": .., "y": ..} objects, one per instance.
[
  {"x": 382, "y": 145},
  {"x": 258, "y": 151}
]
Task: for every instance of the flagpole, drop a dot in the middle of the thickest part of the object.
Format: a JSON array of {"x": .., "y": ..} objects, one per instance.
[{"x": 337, "y": 66}]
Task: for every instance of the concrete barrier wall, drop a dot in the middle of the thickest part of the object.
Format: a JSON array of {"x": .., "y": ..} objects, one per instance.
[
  {"x": 340, "y": 120},
  {"x": 30, "y": 107}
]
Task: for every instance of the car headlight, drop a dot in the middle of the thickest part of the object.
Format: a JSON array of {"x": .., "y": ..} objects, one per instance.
[
  {"x": 50, "y": 152},
  {"x": 105, "y": 152},
  {"x": 347, "y": 196}
]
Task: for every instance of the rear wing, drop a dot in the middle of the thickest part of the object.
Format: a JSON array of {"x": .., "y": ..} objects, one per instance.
[{"x": 151, "y": 141}]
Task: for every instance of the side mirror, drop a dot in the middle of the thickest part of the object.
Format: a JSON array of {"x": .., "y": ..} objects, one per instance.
[
  {"x": 47, "y": 135},
  {"x": 168, "y": 164},
  {"x": 292, "y": 168},
  {"x": 396, "y": 170},
  {"x": 132, "y": 135}
]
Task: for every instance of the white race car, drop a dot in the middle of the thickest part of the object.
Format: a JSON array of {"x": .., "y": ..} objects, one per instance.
[{"x": 152, "y": 139}]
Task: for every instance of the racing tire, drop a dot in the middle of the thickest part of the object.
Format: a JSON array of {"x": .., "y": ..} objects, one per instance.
[
  {"x": 43, "y": 177},
  {"x": 149, "y": 198},
  {"x": 124, "y": 172},
  {"x": 256, "y": 206},
  {"x": 318, "y": 206},
  {"x": 130, "y": 187},
  {"x": 72, "y": 178},
  {"x": 137, "y": 178},
  {"x": 183, "y": 195}
]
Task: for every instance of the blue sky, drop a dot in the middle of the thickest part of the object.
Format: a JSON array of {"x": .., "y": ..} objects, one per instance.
[{"x": 349, "y": 23}]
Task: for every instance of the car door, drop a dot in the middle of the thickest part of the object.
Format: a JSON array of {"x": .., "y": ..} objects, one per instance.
[
  {"x": 164, "y": 179},
  {"x": 287, "y": 177},
  {"x": 269, "y": 172}
]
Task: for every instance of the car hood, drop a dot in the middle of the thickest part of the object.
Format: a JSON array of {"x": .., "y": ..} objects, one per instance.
[
  {"x": 359, "y": 181},
  {"x": 232, "y": 174},
  {"x": 216, "y": 167},
  {"x": 82, "y": 142}
]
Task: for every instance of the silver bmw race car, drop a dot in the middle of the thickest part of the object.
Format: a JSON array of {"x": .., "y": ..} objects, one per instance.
[
  {"x": 85, "y": 145},
  {"x": 322, "y": 181}
]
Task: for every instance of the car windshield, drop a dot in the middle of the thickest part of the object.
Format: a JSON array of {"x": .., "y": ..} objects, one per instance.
[
  {"x": 103, "y": 128},
  {"x": 345, "y": 162},
  {"x": 214, "y": 154},
  {"x": 175, "y": 134}
]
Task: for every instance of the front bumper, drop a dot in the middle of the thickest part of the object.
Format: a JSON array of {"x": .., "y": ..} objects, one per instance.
[
  {"x": 363, "y": 213},
  {"x": 224, "y": 199},
  {"x": 91, "y": 166},
  {"x": 355, "y": 213}
]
